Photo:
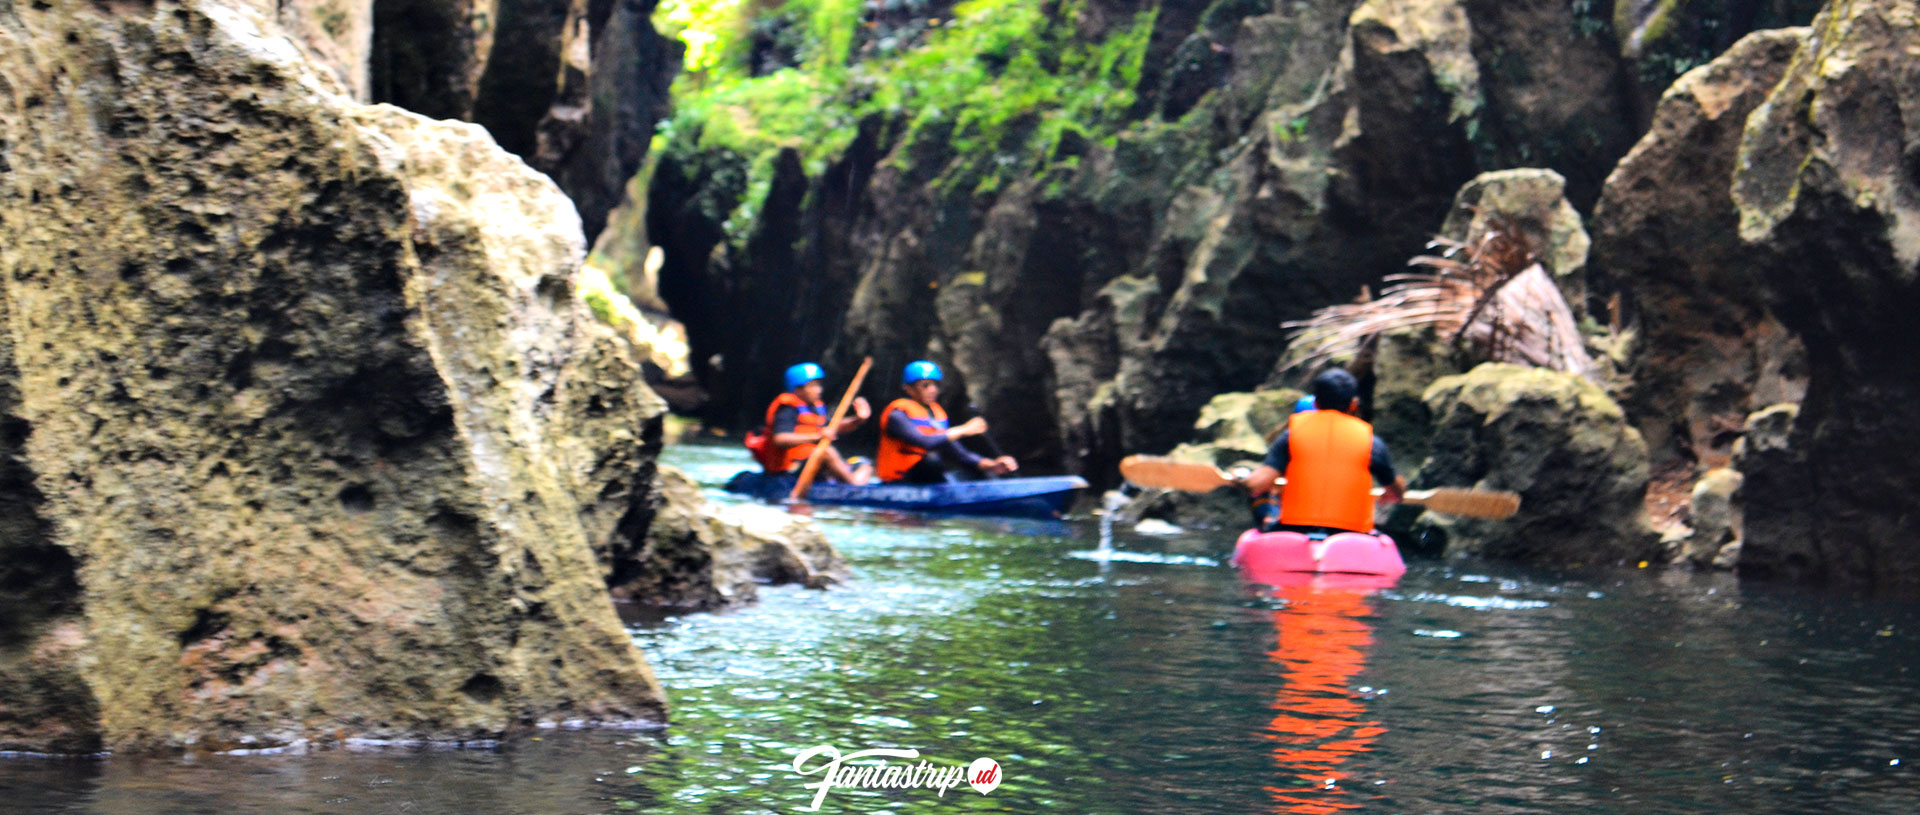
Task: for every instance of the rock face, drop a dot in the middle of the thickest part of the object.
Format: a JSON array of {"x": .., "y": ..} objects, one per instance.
[
  {"x": 1556, "y": 439},
  {"x": 1708, "y": 349},
  {"x": 1828, "y": 195},
  {"x": 614, "y": 77},
  {"x": 697, "y": 556},
  {"x": 1663, "y": 39},
  {"x": 307, "y": 434},
  {"x": 1712, "y": 536},
  {"x": 336, "y": 34}
]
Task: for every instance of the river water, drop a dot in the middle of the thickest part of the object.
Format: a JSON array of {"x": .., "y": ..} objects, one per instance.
[{"x": 1162, "y": 683}]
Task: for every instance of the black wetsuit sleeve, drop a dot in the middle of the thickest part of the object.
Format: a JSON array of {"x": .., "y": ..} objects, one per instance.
[
  {"x": 786, "y": 419},
  {"x": 902, "y": 428},
  {"x": 1380, "y": 463}
]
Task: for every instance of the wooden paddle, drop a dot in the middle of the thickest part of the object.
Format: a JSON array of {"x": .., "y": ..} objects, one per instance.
[
  {"x": 812, "y": 467},
  {"x": 1186, "y": 476}
]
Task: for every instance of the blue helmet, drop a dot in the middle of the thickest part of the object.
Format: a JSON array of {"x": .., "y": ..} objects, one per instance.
[
  {"x": 803, "y": 373},
  {"x": 919, "y": 370},
  {"x": 1305, "y": 404}
]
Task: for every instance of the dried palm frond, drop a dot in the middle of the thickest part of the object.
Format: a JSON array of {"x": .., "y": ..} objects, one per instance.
[{"x": 1489, "y": 297}]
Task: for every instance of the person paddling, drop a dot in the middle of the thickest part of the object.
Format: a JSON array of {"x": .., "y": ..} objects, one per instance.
[
  {"x": 797, "y": 421},
  {"x": 1327, "y": 455},
  {"x": 916, "y": 444}
]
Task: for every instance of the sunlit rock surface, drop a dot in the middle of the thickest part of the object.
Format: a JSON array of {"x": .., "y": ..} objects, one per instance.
[{"x": 308, "y": 434}]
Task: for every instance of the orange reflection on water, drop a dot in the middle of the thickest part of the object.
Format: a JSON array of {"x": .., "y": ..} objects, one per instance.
[{"x": 1318, "y": 722}]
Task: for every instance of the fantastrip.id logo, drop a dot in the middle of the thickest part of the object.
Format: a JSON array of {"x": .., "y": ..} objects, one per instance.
[{"x": 835, "y": 770}]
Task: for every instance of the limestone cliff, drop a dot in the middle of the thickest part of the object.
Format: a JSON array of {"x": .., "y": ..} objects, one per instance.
[
  {"x": 1707, "y": 350},
  {"x": 307, "y": 435},
  {"x": 1828, "y": 196}
]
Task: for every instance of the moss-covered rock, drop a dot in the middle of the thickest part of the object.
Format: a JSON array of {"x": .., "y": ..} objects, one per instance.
[
  {"x": 1828, "y": 193},
  {"x": 1245, "y": 424},
  {"x": 1706, "y": 347},
  {"x": 307, "y": 397},
  {"x": 1558, "y": 441}
]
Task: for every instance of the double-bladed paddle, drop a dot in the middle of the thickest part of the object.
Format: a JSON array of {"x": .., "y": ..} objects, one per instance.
[{"x": 1187, "y": 476}]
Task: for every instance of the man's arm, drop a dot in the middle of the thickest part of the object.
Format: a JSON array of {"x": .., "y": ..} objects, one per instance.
[
  {"x": 1260, "y": 481},
  {"x": 861, "y": 412},
  {"x": 902, "y": 428},
  {"x": 1380, "y": 463},
  {"x": 786, "y": 423}
]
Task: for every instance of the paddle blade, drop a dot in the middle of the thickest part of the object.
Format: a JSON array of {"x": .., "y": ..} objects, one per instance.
[
  {"x": 1168, "y": 474},
  {"x": 1490, "y": 504}
]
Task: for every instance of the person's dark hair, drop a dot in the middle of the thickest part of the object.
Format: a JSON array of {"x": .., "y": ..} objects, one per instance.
[{"x": 1334, "y": 389}]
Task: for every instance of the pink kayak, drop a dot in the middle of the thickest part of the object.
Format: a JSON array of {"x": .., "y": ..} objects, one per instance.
[{"x": 1345, "y": 553}]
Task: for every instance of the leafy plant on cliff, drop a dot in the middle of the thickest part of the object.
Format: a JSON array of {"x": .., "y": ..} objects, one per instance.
[
  {"x": 1488, "y": 296},
  {"x": 999, "y": 82}
]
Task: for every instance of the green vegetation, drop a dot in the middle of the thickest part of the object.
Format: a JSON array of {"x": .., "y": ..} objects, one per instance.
[{"x": 998, "y": 83}]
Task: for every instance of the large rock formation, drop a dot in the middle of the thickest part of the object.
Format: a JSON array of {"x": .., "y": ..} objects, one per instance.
[
  {"x": 1828, "y": 190},
  {"x": 1708, "y": 350},
  {"x": 1556, "y": 439},
  {"x": 307, "y": 434}
]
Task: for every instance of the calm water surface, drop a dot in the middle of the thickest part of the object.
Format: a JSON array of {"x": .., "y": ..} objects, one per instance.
[{"x": 1163, "y": 684}]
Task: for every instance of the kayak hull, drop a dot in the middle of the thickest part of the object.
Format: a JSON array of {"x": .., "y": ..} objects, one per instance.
[
  {"x": 1040, "y": 496},
  {"x": 1341, "y": 553}
]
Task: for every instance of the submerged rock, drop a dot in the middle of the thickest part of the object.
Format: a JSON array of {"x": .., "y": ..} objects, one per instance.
[
  {"x": 318, "y": 434},
  {"x": 699, "y": 556},
  {"x": 1556, "y": 439},
  {"x": 1828, "y": 195}
]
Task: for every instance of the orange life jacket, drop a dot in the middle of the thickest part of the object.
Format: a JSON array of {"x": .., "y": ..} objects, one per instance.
[
  {"x": 1328, "y": 483},
  {"x": 809, "y": 418},
  {"x": 896, "y": 456}
]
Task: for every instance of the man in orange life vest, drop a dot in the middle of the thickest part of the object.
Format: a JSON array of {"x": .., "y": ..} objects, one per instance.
[
  {"x": 1327, "y": 455},
  {"x": 917, "y": 446},
  {"x": 797, "y": 420}
]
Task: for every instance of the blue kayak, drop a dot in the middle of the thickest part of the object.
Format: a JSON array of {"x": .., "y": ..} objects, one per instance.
[{"x": 1042, "y": 496}]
